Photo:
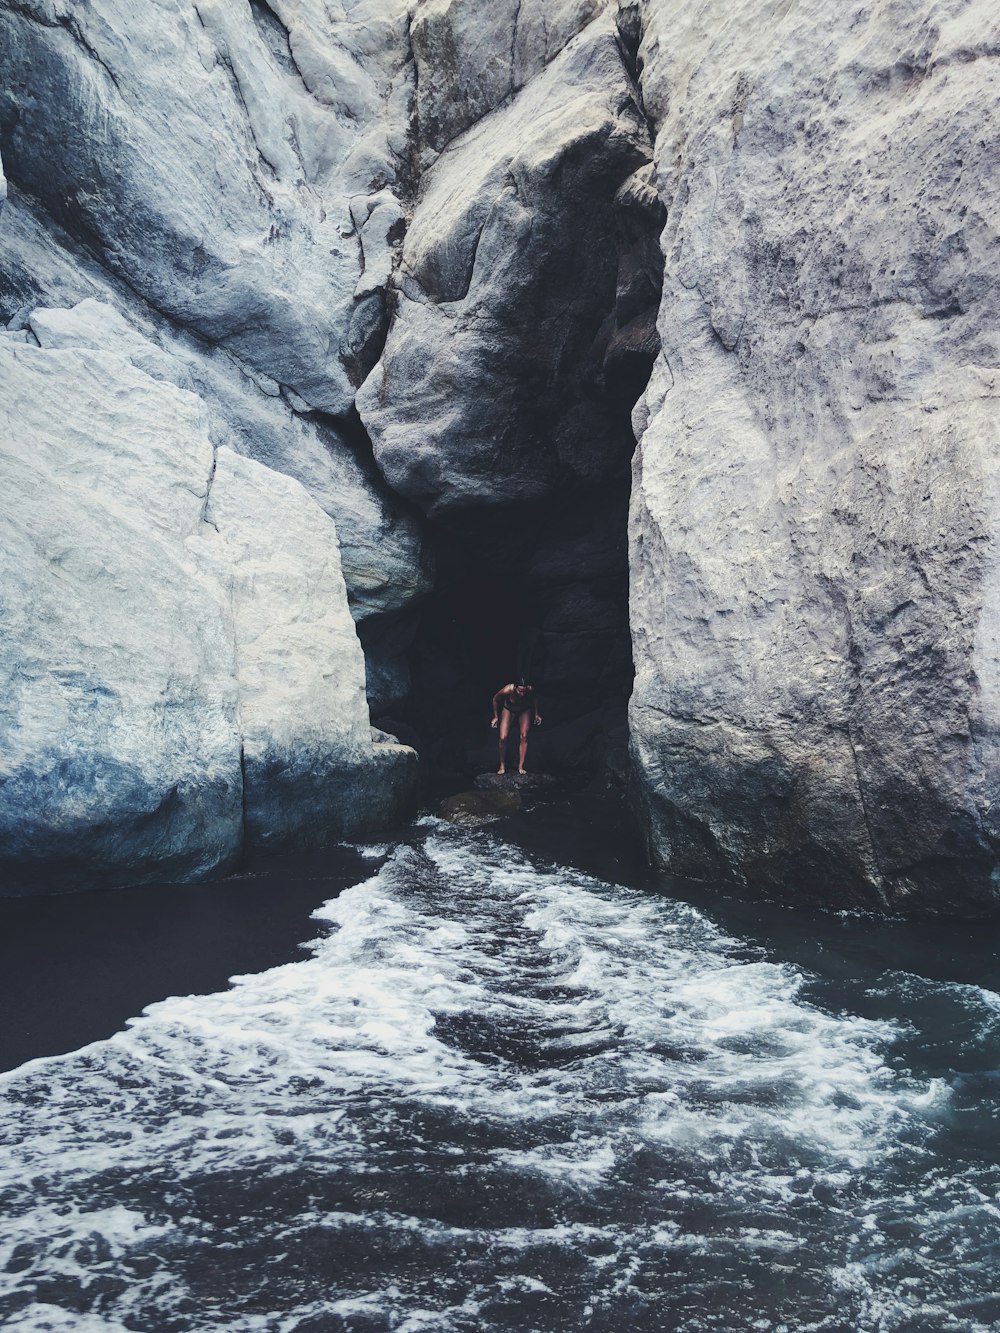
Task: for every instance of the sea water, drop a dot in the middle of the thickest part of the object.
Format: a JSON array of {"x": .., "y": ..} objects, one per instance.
[{"x": 502, "y": 1094}]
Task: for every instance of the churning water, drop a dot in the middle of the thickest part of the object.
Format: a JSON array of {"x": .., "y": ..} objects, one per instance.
[{"x": 503, "y": 1095}]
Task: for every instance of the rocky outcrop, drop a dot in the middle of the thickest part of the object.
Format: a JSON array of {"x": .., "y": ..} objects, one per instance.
[
  {"x": 205, "y": 195},
  {"x": 269, "y": 230},
  {"x": 815, "y": 511},
  {"x": 181, "y": 672},
  {"x": 508, "y": 274},
  {"x": 222, "y": 175},
  {"x": 470, "y": 59}
]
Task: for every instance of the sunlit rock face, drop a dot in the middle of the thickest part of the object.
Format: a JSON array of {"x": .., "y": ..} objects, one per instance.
[
  {"x": 181, "y": 672},
  {"x": 814, "y": 595},
  {"x": 208, "y": 196},
  {"x": 208, "y": 155},
  {"x": 380, "y": 544}
]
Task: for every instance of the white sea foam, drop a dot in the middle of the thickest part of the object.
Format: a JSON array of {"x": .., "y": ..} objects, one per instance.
[{"x": 497, "y": 1095}]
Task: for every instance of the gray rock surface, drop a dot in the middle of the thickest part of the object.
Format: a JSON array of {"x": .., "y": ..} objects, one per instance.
[
  {"x": 489, "y": 390},
  {"x": 206, "y": 193},
  {"x": 385, "y": 560},
  {"x": 222, "y": 175},
  {"x": 523, "y": 331},
  {"x": 814, "y": 521},
  {"x": 208, "y": 154},
  {"x": 471, "y": 58},
  {"x": 312, "y": 768},
  {"x": 222, "y": 217},
  {"x": 180, "y": 666},
  {"x": 381, "y": 546}
]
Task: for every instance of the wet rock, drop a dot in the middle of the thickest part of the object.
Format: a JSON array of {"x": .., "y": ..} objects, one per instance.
[
  {"x": 814, "y": 601},
  {"x": 480, "y": 807},
  {"x": 530, "y": 782}
]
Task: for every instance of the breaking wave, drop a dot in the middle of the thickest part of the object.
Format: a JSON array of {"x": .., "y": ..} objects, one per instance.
[{"x": 503, "y": 1095}]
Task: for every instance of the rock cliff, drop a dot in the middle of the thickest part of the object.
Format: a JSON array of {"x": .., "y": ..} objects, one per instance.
[
  {"x": 201, "y": 211},
  {"x": 523, "y": 330},
  {"x": 181, "y": 672},
  {"x": 814, "y": 514},
  {"x": 357, "y": 312}
]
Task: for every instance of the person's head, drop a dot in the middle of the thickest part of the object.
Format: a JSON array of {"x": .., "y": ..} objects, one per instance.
[{"x": 522, "y": 684}]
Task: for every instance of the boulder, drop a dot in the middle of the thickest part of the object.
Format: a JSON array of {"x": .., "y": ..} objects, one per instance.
[
  {"x": 181, "y": 673},
  {"x": 508, "y": 275},
  {"x": 471, "y": 808},
  {"x": 815, "y": 508},
  {"x": 312, "y": 770}
]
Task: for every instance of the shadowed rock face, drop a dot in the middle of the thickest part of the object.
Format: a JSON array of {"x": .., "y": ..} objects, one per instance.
[
  {"x": 814, "y": 595},
  {"x": 523, "y": 331},
  {"x": 508, "y": 275},
  {"x": 252, "y": 209},
  {"x": 471, "y": 59}
]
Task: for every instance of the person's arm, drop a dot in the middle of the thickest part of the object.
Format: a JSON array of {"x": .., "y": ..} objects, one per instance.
[
  {"x": 496, "y": 703},
  {"x": 538, "y": 716}
]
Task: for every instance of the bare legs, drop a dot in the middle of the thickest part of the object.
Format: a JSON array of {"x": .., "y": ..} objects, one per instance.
[
  {"x": 504, "y": 733},
  {"x": 524, "y": 726},
  {"x": 524, "y": 721}
]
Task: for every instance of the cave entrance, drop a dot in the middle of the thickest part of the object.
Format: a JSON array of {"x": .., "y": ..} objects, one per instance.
[
  {"x": 525, "y": 480},
  {"x": 476, "y": 633},
  {"x": 541, "y": 593},
  {"x": 493, "y": 627}
]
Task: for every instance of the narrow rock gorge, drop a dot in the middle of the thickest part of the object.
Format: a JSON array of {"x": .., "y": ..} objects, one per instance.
[
  {"x": 361, "y": 356},
  {"x": 522, "y": 333}
]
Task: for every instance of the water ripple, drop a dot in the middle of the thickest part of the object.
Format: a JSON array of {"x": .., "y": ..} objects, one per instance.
[{"x": 497, "y": 1095}]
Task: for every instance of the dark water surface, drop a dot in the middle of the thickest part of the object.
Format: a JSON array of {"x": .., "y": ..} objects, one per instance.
[
  {"x": 511, "y": 1086},
  {"x": 75, "y": 967}
]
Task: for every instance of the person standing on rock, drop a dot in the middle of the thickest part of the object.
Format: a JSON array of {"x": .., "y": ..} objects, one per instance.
[{"x": 518, "y": 701}]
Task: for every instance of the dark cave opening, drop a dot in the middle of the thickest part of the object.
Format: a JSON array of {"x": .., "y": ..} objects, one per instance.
[
  {"x": 538, "y": 586},
  {"x": 539, "y": 591},
  {"x": 494, "y": 618}
]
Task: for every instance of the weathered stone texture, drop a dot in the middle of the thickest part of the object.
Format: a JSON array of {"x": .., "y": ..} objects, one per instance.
[
  {"x": 490, "y": 388},
  {"x": 208, "y": 152},
  {"x": 224, "y": 216},
  {"x": 814, "y": 519},
  {"x": 178, "y": 653},
  {"x": 472, "y": 58}
]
